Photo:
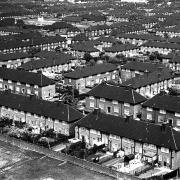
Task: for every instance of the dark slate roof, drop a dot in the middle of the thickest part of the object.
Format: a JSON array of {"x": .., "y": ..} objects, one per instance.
[
  {"x": 80, "y": 37},
  {"x": 13, "y": 56},
  {"x": 132, "y": 129},
  {"x": 72, "y": 19},
  {"x": 44, "y": 108},
  {"x": 87, "y": 46},
  {"x": 43, "y": 63},
  {"x": 120, "y": 48},
  {"x": 106, "y": 39},
  {"x": 25, "y": 77},
  {"x": 141, "y": 66},
  {"x": 97, "y": 28},
  {"x": 117, "y": 93},
  {"x": 54, "y": 55},
  {"x": 91, "y": 70},
  {"x": 161, "y": 45},
  {"x": 164, "y": 102},
  {"x": 141, "y": 37},
  {"x": 13, "y": 43},
  {"x": 149, "y": 78}
]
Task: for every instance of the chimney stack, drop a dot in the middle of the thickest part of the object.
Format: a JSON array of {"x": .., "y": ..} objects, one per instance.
[
  {"x": 163, "y": 127},
  {"x": 96, "y": 111},
  {"x": 128, "y": 118},
  {"x": 146, "y": 72}
]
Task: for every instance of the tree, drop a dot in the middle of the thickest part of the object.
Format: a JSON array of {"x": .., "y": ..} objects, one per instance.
[
  {"x": 87, "y": 57},
  {"x": 20, "y": 23},
  {"x": 7, "y": 22},
  {"x": 155, "y": 56},
  {"x": 34, "y": 50}
]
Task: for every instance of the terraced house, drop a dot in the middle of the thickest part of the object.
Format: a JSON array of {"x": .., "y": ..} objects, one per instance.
[
  {"x": 80, "y": 49},
  {"x": 162, "y": 108},
  {"x": 114, "y": 99},
  {"x": 87, "y": 77},
  {"x": 38, "y": 113},
  {"x": 125, "y": 49},
  {"x": 50, "y": 62},
  {"x": 13, "y": 60},
  {"x": 150, "y": 84},
  {"x": 138, "y": 39},
  {"x": 161, "y": 47},
  {"x": 27, "y": 83},
  {"x": 150, "y": 141},
  {"x": 135, "y": 68},
  {"x": 44, "y": 43}
]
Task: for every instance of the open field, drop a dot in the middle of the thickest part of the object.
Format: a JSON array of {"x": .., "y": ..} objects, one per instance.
[{"x": 27, "y": 165}]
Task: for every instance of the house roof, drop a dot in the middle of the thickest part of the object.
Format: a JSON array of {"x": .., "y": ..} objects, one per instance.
[
  {"x": 141, "y": 66},
  {"x": 44, "y": 63},
  {"x": 80, "y": 37},
  {"x": 136, "y": 130},
  {"x": 98, "y": 27},
  {"x": 25, "y": 77},
  {"x": 13, "y": 43},
  {"x": 116, "y": 92},
  {"x": 161, "y": 45},
  {"x": 164, "y": 102},
  {"x": 149, "y": 78},
  {"x": 39, "y": 107},
  {"x": 106, "y": 39},
  {"x": 72, "y": 19},
  {"x": 120, "y": 48},
  {"x": 91, "y": 70},
  {"x": 13, "y": 56},
  {"x": 87, "y": 46},
  {"x": 141, "y": 37},
  {"x": 54, "y": 55}
]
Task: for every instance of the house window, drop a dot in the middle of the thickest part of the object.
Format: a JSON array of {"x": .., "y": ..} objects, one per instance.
[
  {"x": 101, "y": 106},
  {"x": 88, "y": 83},
  {"x": 91, "y": 97},
  {"x": 116, "y": 109},
  {"x": 92, "y": 82},
  {"x": 113, "y": 76},
  {"x": 162, "y": 111},
  {"x": 92, "y": 104},
  {"x": 108, "y": 78},
  {"x": 164, "y": 150},
  {"x": 126, "y": 111},
  {"x": 28, "y": 91},
  {"x": 149, "y": 116},
  {"x": 100, "y": 80},
  {"x": 17, "y": 89},
  {"x": 160, "y": 157},
  {"x": 178, "y": 122},
  {"x": 108, "y": 109},
  {"x": 97, "y": 81},
  {"x": 102, "y": 100},
  {"x": 161, "y": 118},
  {"x": 10, "y": 87},
  {"x": 36, "y": 93}
]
